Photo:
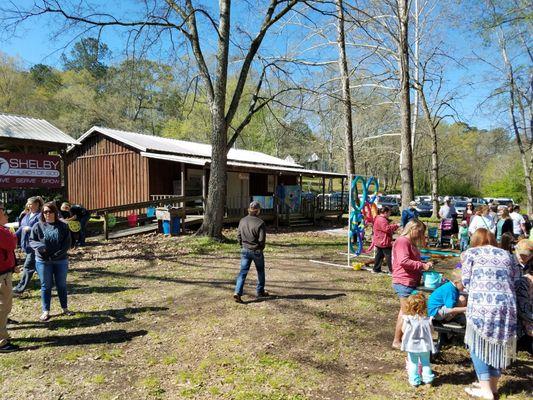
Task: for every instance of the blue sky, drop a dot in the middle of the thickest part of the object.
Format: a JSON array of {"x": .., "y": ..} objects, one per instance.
[{"x": 34, "y": 43}]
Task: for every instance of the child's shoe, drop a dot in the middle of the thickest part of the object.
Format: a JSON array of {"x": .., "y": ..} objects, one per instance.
[{"x": 427, "y": 375}]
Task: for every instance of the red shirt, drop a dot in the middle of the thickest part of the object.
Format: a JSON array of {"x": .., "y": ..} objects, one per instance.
[
  {"x": 406, "y": 265},
  {"x": 8, "y": 244},
  {"x": 383, "y": 232}
]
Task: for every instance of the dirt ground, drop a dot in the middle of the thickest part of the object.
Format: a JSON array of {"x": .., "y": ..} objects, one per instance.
[{"x": 155, "y": 319}]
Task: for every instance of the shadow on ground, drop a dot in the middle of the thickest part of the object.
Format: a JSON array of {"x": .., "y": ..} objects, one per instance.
[
  {"x": 105, "y": 337},
  {"x": 87, "y": 319}
]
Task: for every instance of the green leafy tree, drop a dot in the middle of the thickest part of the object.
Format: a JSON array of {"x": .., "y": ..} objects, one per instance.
[{"x": 89, "y": 54}]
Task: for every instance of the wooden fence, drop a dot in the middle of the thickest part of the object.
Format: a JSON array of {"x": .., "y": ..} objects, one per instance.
[{"x": 140, "y": 208}]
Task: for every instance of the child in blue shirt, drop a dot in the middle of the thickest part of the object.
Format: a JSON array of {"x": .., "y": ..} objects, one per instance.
[{"x": 446, "y": 302}]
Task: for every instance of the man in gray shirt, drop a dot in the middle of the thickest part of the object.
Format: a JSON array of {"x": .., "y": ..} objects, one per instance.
[{"x": 251, "y": 235}]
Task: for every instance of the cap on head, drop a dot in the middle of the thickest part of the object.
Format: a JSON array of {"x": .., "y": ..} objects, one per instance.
[
  {"x": 412, "y": 203},
  {"x": 254, "y": 205}
]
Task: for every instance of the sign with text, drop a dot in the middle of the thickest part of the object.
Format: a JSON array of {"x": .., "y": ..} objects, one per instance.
[{"x": 18, "y": 170}]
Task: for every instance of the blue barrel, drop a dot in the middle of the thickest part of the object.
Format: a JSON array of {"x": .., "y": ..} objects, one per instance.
[
  {"x": 174, "y": 226},
  {"x": 166, "y": 227}
]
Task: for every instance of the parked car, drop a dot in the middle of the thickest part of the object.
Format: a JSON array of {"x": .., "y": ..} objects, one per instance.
[
  {"x": 478, "y": 201},
  {"x": 424, "y": 208},
  {"x": 460, "y": 207},
  {"x": 425, "y": 198},
  {"x": 390, "y": 202},
  {"x": 502, "y": 202}
]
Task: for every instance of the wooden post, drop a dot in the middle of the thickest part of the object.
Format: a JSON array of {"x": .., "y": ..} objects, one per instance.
[
  {"x": 182, "y": 172},
  {"x": 204, "y": 190},
  {"x": 342, "y": 196},
  {"x": 63, "y": 155},
  {"x": 323, "y": 193},
  {"x": 276, "y": 202},
  {"x": 106, "y": 227}
]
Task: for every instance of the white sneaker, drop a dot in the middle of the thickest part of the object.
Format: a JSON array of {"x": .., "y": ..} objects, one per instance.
[
  {"x": 45, "y": 316},
  {"x": 479, "y": 393}
]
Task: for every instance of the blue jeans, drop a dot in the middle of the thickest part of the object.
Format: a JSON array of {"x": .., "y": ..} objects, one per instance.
[
  {"x": 484, "y": 371},
  {"x": 27, "y": 273},
  {"x": 247, "y": 256},
  {"x": 402, "y": 290},
  {"x": 414, "y": 375},
  {"x": 463, "y": 244},
  {"x": 50, "y": 272}
]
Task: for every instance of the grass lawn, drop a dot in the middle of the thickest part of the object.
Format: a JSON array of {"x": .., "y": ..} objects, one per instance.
[{"x": 155, "y": 319}]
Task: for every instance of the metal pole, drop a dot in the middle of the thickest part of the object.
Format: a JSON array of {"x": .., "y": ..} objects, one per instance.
[{"x": 349, "y": 209}]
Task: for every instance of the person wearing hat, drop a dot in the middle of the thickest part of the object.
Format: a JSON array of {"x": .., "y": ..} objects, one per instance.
[
  {"x": 409, "y": 214},
  {"x": 251, "y": 235},
  {"x": 8, "y": 244},
  {"x": 447, "y": 211}
]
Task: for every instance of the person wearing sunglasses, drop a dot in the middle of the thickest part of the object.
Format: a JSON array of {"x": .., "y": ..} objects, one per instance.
[
  {"x": 8, "y": 244},
  {"x": 50, "y": 239}
]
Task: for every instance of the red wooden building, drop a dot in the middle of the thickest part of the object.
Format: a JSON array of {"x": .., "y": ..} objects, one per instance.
[{"x": 113, "y": 167}]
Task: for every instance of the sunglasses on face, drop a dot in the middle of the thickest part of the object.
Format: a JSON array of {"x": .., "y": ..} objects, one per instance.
[{"x": 47, "y": 212}]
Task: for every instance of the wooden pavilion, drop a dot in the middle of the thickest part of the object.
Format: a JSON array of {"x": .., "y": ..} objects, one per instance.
[{"x": 113, "y": 168}]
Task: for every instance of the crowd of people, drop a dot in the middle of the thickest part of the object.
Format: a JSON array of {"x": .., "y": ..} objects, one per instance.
[
  {"x": 45, "y": 233},
  {"x": 491, "y": 290}
]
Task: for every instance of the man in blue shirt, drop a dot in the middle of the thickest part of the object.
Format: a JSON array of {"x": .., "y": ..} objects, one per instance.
[{"x": 409, "y": 214}]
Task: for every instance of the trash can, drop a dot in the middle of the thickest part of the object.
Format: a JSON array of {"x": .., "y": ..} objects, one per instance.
[
  {"x": 175, "y": 225},
  {"x": 166, "y": 227},
  {"x": 169, "y": 220}
]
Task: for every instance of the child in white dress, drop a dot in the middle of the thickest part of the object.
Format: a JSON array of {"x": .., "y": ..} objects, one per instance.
[{"x": 417, "y": 339}]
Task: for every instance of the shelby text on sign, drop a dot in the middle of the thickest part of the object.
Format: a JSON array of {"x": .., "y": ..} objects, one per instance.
[{"x": 19, "y": 170}]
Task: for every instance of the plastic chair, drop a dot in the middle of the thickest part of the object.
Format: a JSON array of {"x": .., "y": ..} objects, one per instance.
[{"x": 433, "y": 236}]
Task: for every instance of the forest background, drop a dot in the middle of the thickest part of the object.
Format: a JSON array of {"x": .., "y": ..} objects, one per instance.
[{"x": 92, "y": 86}]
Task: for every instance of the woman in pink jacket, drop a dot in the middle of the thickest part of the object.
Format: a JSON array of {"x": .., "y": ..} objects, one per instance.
[
  {"x": 407, "y": 268},
  {"x": 382, "y": 240}
]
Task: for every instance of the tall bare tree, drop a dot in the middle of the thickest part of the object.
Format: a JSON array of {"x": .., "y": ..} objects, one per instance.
[
  {"x": 509, "y": 22},
  {"x": 406, "y": 158},
  {"x": 345, "y": 82},
  {"x": 180, "y": 18}
]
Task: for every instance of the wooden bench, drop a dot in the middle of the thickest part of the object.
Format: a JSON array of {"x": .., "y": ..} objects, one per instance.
[{"x": 445, "y": 330}]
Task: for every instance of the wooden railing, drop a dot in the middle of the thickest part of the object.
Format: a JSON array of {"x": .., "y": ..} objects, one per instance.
[{"x": 140, "y": 208}]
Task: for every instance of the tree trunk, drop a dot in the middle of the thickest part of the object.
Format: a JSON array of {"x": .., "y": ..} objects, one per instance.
[
  {"x": 345, "y": 82},
  {"x": 516, "y": 130},
  {"x": 216, "y": 200},
  {"x": 406, "y": 156},
  {"x": 416, "y": 62},
  {"x": 434, "y": 155}
]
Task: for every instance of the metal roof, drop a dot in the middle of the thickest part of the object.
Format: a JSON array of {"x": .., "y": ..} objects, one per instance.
[
  {"x": 204, "y": 161},
  {"x": 26, "y": 128},
  {"x": 169, "y": 157},
  {"x": 149, "y": 143},
  {"x": 301, "y": 171}
]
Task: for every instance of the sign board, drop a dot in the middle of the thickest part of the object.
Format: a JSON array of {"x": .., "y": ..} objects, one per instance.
[{"x": 18, "y": 170}]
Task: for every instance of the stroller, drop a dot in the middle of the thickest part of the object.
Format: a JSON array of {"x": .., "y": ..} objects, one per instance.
[{"x": 446, "y": 233}]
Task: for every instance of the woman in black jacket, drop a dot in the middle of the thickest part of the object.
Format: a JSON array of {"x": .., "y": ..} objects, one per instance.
[{"x": 50, "y": 239}]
